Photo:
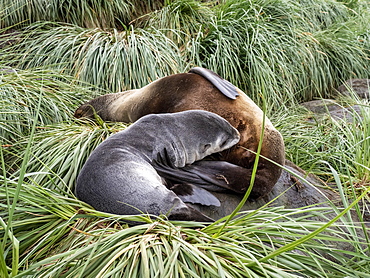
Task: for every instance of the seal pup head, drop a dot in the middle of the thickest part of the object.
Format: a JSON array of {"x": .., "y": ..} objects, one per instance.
[{"x": 192, "y": 135}]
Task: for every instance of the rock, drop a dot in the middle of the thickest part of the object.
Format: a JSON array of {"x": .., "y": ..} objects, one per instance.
[
  {"x": 359, "y": 86},
  {"x": 346, "y": 113},
  {"x": 330, "y": 107},
  {"x": 321, "y": 106},
  {"x": 298, "y": 194}
]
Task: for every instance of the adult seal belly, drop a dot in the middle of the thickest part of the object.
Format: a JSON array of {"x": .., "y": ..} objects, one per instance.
[
  {"x": 202, "y": 89},
  {"x": 119, "y": 177}
]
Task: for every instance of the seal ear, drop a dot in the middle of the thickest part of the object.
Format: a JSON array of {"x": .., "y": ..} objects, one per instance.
[{"x": 163, "y": 159}]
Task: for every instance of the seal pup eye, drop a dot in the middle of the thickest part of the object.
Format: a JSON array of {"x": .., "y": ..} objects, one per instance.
[
  {"x": 224, "y": 143},
  {"x": 206, "y": 147}
]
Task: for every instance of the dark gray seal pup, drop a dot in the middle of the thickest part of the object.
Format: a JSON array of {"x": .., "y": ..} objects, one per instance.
[
  {"x": 203, "y": 89},
  {"x": 119, "y": 176}
]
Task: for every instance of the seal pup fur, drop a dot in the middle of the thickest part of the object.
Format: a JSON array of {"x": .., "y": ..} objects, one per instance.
[
  {"x": 198, "y": 90},
  {"x": 119, "y": 177}
]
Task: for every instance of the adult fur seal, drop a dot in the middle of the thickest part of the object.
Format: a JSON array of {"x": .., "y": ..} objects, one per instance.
[
  {"x": 119, "y": 176},
  {"x": 200, "y": 89}
]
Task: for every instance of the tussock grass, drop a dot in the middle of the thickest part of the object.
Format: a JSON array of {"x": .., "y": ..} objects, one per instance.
[
  {"x": 114, "y": 60},
  {"x": 59, "y": 152},
  {"x": 70, "y": 239},
  {"x": 20, "y": 90},
  {"x": 89, "y": 14},
  {"x": 295, "y": 50},
  {"x": 180, "y": 20},
  {"x": 343, "y": 143},
  {"x": 355, "y": 136}
]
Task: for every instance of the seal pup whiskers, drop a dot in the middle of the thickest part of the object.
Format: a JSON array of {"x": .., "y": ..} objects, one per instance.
[{"x": 119, "y": 176}]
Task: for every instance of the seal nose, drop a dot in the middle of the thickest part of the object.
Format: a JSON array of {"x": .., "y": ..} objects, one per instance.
[
  {"x": 236, "y": 135},
  {"x": 78, "y": 114}
]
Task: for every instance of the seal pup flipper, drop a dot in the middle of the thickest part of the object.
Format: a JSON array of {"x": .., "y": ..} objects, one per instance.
[
  {"x": 180, "y": 176},
  {"x": 190, "y": 214},
  {"x": 217, "y": 176},
  {"x": 222, "y": 174},
  {"x": 185, "y": 175},
  {"x": 212, "y": 175},
  {"x": 226, "y": 87},
  {"x": 190, "y": 193}
]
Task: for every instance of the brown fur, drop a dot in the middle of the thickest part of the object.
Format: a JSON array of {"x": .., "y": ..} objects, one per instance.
[{"x": 186, "y": 91}]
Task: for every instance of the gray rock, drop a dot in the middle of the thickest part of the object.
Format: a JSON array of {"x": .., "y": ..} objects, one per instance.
[
  {"x": 323, "y": 107},
  {"x": 298, "y": 194},
  {"x": 358, "y": 86},
  {"x": 346, "y": 113}
]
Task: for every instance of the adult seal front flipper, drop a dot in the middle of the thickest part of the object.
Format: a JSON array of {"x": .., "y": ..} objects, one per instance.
[{"x": 225, "y": 87}]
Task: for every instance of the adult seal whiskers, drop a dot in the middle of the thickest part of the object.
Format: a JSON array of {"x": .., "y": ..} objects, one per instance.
[
  {"x": 203, "y": 89},
  {"x": 119, "y": 176}
]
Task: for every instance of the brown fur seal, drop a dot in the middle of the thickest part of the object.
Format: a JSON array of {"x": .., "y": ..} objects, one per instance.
[
  {"x": 119, "y": 177},
  {"x": 186, "y": 91}
]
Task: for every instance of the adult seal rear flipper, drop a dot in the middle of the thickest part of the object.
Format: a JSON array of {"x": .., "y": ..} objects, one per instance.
[{"x": 227, "y": 88}]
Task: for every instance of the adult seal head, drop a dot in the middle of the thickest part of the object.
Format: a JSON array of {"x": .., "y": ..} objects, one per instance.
[
  {"x": 202, "y": 89},
  {"x": 119, "y": 176}
]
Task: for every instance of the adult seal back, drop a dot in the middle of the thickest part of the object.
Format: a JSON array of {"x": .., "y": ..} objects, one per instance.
[
  {"x": 119, "y": 177},
  {"x": 202, "y": 89}
]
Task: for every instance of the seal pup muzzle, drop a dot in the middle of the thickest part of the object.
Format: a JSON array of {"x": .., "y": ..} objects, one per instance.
[{"x": 119, "y": 177}]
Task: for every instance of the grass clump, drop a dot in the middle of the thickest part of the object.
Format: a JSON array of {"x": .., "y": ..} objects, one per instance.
[
  {"x": 59, "y": 152},
  {"x": 295, "y": 50},
  {"x": 179, "y": 20},
  {"x": 20, "y": 90},
  {"x": 87, "y": 14},
  {"x": 342, "y": 142},
  {"x": 70, "y": 239},
  {"x": 135, "y": 56}
]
